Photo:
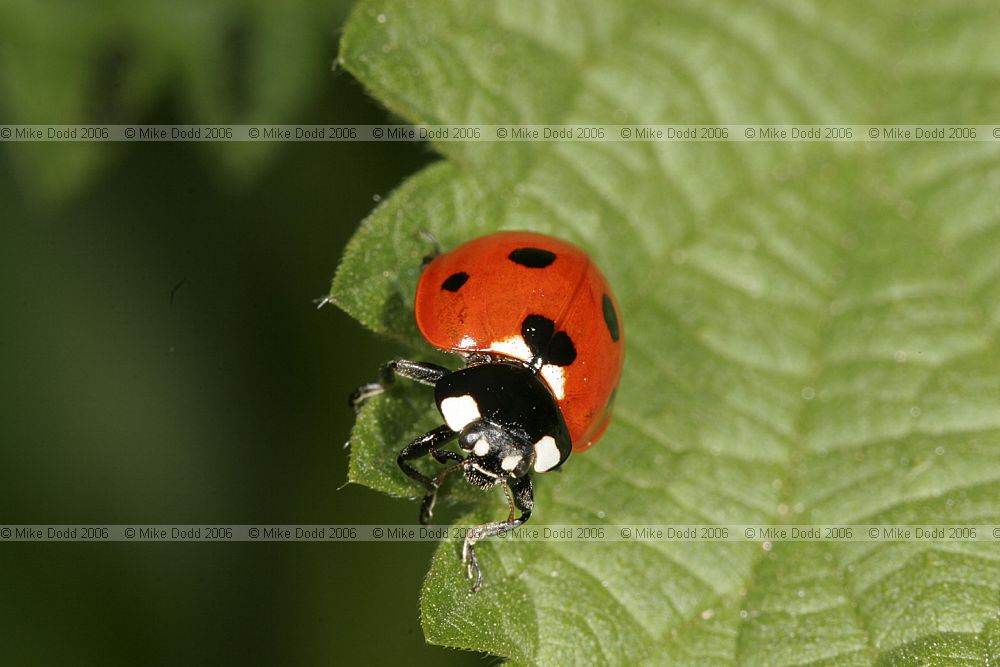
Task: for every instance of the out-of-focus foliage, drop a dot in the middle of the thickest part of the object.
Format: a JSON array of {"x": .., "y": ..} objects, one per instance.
[
  {"x": 232, "y": 61},
  {"x": 161, "y": 358}
]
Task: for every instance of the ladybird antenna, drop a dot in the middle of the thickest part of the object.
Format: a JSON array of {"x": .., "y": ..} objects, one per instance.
[
  {"x": 428, "y": 236},
  {"x": 434, "y": 244}
]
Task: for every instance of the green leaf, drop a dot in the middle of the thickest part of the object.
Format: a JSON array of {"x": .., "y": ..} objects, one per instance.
[
  {"x": 235, "y": 61},
  {"x": 811, "y": 327}
]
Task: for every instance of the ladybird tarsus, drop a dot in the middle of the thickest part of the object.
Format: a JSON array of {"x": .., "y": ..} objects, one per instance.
[
  {"x": 427, "y": 508},
  {"x": 472, "y": 569},
  {"x": 361, "y": 395},
  {"x": 521, "y": 495}
]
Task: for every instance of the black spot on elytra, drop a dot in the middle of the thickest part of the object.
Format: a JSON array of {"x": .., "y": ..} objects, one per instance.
[
  {"x": 454, "y": 282},
  {"x": 610, "y": 317},
  {"x": 561, "y": 350},
  {"x": 551, "y": 346},
  {"x": 533, "y": 258}
]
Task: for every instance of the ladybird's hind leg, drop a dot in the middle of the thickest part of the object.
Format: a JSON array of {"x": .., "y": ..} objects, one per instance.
[
  {"x": 418, "y": 371},
  {"x": 523, "y": 498},
  {"x": 426, "y": 444}
]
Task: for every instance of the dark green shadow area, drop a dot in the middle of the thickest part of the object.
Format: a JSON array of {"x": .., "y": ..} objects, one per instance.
[{"x": 163, "y": 362}]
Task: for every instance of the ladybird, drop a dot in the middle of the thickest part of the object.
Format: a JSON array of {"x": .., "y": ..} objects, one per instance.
[{"x": 540, "y": 333}]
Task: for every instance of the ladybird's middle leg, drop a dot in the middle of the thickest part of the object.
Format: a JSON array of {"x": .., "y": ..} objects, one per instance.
[{"x": 418, "y": 371}]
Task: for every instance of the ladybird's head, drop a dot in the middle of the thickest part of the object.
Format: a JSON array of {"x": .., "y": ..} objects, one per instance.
[{"x": 494, "y": 453}]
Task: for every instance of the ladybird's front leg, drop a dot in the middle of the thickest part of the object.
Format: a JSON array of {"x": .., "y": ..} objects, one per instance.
[
  {"x": 418, "y": 371},
  {"x": 423, "y": 446},
  {"x": 426, "y": 444},
  {"x": 524, "y": 500}
]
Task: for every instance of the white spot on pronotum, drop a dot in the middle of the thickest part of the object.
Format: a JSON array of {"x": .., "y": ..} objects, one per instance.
[
  {"x": 459, "y": 411},
  {"x": 512, "y": 347},
  {"x": 482, "y": 447},
  {"x": 555, "y": 377},
  {"x": 546, "y": 454},
  {"x": 510, "y": 462},
  {"x": 467, "y": 342}
]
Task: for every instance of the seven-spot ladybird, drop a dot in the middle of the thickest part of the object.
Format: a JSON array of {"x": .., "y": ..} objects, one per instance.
[{"x": 541, "y": 335}]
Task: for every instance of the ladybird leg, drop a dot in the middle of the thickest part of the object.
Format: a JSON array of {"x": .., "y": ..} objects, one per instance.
[
  {"x": 423, "y": 446},
  {"x": 510, "y": 503},
  {"x": 441, "y": 456},
  {"x": 418, "y": 371},
  {"x": 427, "y": 507},
  {"x": 524, "y": 500},
  {"x": 444, "y": 455}
]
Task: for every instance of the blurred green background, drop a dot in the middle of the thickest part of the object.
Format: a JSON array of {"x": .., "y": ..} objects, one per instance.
[{"x": 162, "y": 360}]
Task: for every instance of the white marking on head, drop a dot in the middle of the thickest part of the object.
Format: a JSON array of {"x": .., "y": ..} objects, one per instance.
[
  {"x": 512, "y": 347},
  {"x": 510, "y": 462},
  {"x": 546, "y": 454},
  {"x": 483, "y": 470},
  {"x": 459, "y": 411},
  {"x": 482, "y": 447},
  {"x": 555, "y": 377}
]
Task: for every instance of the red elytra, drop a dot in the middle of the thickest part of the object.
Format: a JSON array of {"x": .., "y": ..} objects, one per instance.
[{"x": 475, "y": 298}]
